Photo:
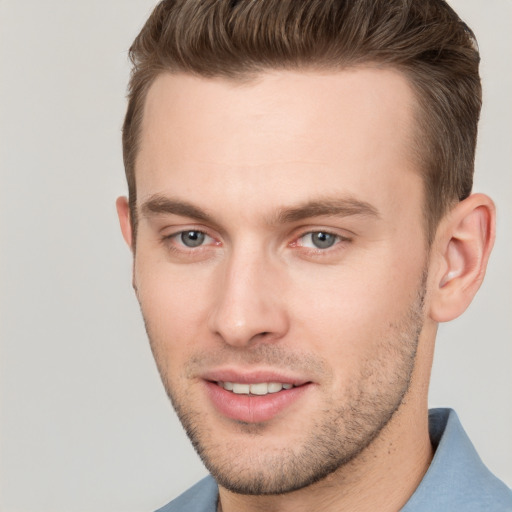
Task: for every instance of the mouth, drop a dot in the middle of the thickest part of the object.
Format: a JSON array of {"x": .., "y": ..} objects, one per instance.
[
  {"x": 256, "y": 389},
  {"x": 255, "y": 398}
]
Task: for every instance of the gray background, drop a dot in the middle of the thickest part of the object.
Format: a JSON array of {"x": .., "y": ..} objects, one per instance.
[{"x": 85, "y": 424}]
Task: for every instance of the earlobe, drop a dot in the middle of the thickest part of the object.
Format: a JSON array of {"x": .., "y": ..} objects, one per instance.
[
  {"x": 123, "y": 212},
  {"x": 463, "y": 244}
]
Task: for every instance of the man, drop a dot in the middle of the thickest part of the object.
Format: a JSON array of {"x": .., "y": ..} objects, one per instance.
[{"x": 301, "y": 219}]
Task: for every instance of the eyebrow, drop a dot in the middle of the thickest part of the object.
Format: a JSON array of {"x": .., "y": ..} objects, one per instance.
[
  {"x": 158, "y": 205},
  {"x": 335, "y": 207}
]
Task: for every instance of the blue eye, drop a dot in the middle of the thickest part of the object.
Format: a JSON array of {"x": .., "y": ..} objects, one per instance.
[
  {"x": 319, "y": 240},
  {"x": 192, "y": 238}
]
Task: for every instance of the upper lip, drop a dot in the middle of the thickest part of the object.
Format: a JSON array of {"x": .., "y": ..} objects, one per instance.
[{"x": 252, "y": 376}]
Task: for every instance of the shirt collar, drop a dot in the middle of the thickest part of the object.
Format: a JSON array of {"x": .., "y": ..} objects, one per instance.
[{"x": 456, "y": 479}]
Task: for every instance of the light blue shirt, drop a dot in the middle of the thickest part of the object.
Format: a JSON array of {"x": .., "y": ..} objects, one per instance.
[{"x": 456, "y": 481}]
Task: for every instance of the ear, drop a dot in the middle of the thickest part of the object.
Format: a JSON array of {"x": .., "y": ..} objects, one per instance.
[
  {"x": 123, "y": 212},
  {"x": 462, "y": 246}
]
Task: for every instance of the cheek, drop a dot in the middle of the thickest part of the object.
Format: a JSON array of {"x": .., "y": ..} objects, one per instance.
[
  {"x": 174, "y": 305},
  {"x": 347, "y": 310}
]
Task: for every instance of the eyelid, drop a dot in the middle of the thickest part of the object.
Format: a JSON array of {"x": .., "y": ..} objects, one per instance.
[
  {"x": 317, "y": 252},
  {"x": 345, "y": 236},
  {"x": 178, "y": 236},
  {"x": 173, "y": 237}
]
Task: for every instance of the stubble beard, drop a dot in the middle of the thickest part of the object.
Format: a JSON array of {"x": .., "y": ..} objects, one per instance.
[{"x": 340, "y": 433}]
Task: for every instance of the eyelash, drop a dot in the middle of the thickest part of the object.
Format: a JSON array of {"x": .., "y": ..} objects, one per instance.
[
  {"x": 172, "y": 244},
  {"x": 317, "y": 251}
]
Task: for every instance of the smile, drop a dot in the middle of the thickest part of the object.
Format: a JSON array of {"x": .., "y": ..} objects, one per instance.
[
  {"x": 260, "y": 388},
  {"x": 255, "y": 399}
]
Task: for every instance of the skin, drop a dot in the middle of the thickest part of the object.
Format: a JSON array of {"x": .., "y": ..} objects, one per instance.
[{"x": 356, "y": 321}]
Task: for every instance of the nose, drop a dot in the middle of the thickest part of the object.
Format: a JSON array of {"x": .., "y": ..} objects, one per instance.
[{"x": 249, "y": 304}]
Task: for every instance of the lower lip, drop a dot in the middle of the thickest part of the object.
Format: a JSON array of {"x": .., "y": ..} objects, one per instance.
[{"x": 253, "y": 408}]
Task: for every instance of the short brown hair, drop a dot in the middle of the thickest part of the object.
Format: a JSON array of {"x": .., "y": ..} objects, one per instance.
[{"x": 237, "y": 39}]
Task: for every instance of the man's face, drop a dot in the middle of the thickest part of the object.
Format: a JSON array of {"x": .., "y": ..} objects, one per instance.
[{"x": 280, "y": 265}]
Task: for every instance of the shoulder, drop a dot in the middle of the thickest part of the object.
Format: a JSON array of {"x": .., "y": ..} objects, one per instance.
[
  {"x": 457, "y": 479},
  {"x": 202, "y": 497}
]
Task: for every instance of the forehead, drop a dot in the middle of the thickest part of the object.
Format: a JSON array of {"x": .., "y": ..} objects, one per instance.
[{"x": 295, "y": 132}]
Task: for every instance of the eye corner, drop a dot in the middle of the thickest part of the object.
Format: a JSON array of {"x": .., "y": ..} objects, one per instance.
[{"x": 320, "y": 244}]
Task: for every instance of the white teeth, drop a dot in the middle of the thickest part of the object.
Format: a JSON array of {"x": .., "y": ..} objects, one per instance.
[
  {"x": 274, "y": 387},
  {"x": 260, "y": 388},
  {"x": 241, "y": 389}
]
